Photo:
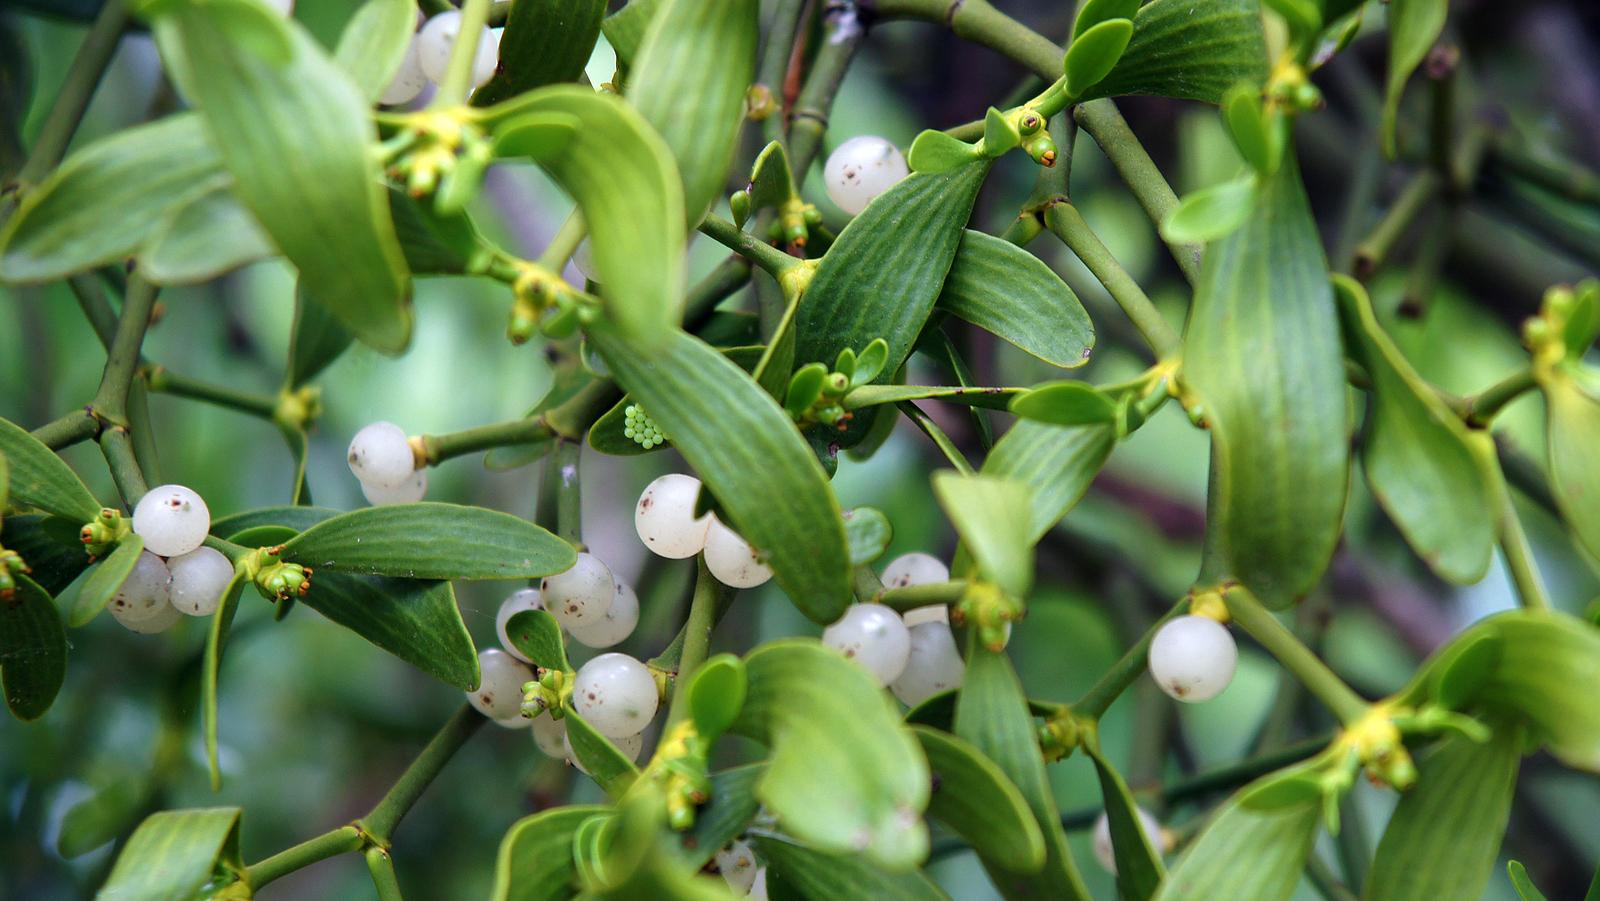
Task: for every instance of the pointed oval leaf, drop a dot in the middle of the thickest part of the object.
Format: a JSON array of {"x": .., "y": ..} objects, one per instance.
[
  {"x": 716, "y": 692},
  {"x": 1435, "y": 479},
  {"x": 296, "y": 135},
  {"x": 1573, "y": 424},
  {"x": 1000, "y": 134},
  {"x": 431, "y": 541},
  {"x": 992, "y": 714},
  {"x": 103, "y": 817},
  {"x": 869, "y": 533},
  {"x": 55, "y": 563},
  {"x": 374, "y": 42},
  {"x": 983, "y": 509},
  {"x": 1093, "y": 54},
  {"x": 296, "y": 518},
  {"x": 206, "y": 237},
  {"x": 1065, "y": 403},
  {"x": 1192, "y": 49},
  {"x": 874, "y": 357},
  {"x": 1444, "y": 837},
  {"x": 1263, "y": 355},
  {"x": 1527, "y": 891},
  {"x": 33, "y": 650},
  {"x": 828, "y": 723},
  {"x": 1057, "y": 462},
  {"x": 414, "y": 620},
  {"x": 622, "y": 175},
  {"x": 41, "y": 479},
  {"x": 748, "y": 452},
  {"x": 211, "y": 670},
  {"x": 816, "y": 874},
  {"x": 1247, "y": 126},
  {"x": 1093, "y": 12},
  {"x": 535, "y": 858},
  {"x": 102, "y": 581},
  {"x": 315, "y": 340},
  {"x": 770, "y": 184},
  {"x": 544, "y": 43},
  {"x": 1012, "y": 294},
  {"x": 976, "y": 800},
  {"x": 1414, "y": 25},
  {"x": 1250, "y": 850},
  {"x": 1211, "y": 213},
  {"x": 625, "y": 29},
  {"x": 1547, "y": 667},
  {"x": 934, "y": 152},
  {"x": 537, "y": 637},
  {"x": 1139, "y": 871},
  {"x": 608, "y": 766},
  {"x": 175, "y": 853}
]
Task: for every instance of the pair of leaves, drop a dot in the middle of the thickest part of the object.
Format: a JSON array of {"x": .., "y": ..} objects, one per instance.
[
  {"x": 1017, "y": 297},
  {"x": 1435, "y": 478},
  {"x": 544, "y": 43},
  {"x": 1262, "y": 354},
  {"x": 176, "y": 853},
  {"x": 748, "y": 452}
]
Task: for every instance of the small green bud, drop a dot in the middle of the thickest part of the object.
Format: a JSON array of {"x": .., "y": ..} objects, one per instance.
[
  {"x": 1043, "y": 150},
  {"x": 739, "y": 204},
  {"x": 1029, "y": 123},
  {"x": 102, "y": 533}
]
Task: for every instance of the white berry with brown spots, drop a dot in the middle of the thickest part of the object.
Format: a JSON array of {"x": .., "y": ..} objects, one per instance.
[
  {"x": 145, "y": 591},
  {"x": 580, "y": 596},
  {"x": 380, "y": 456},
  {"x": 933, "y": 666},
  {"x": 618, "y": 622},
  {"x": 172, "y": 520},
  {"x": 616, "y": 695},
  {"x": 198, "y": 580},
  {"x": 665, "y": 520},
  {"x": 860, "y": 169},
  {"x": 874, "y": 636},
  {"x": 917, "y": 568},
  {"x": 732, "y": 560},
  {"x": 499, "y": 692},
  {"x": 1193, "y": 658}
]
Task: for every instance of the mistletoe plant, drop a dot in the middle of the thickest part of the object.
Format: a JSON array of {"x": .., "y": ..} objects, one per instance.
[{"x": 282, "y": 147}]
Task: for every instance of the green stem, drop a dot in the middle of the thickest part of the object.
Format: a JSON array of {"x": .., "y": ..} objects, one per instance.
[
  {"x": 122, "y": 358},
  {"x": 1423, "y": 189},
  {"x": 775, "y": 62},
  {"x": 329, "y": 844},
  {"x": 1315, "y": 675},
  {"x": 77, "y": 426},
  {"x": 841, "y": 35},
  {"x": 935, "y": 434},
  {"x": 143, "y": 433},
  {"x": 979, "y": 22},
  {"x": 719, "y": 284},
  {"x": 1480, "y": 409},
  {"x": 565, "y": 243},
  {"x": 1526, "y": 475},
  {"x": 865, "y": 584},
  {"x": 770, "y": 258},
  {"x": 164, "y": 381},
  {"x": 1423, "y": 279},
  {"x": 1063, "y": 219},
  {"x": 1519, "y": 556},
  {"x": 117, "y": 447},
  {"x": 1100, "y": 696},
  {"x": 696, "y": 645},
  {"x": 1566, "y": 177},
  {"x": 380, "y": 823},
  {"x": 1104, "y": 123},
  {"x": 381, "y": 866},
  {"x": 563, "y": 465},
  {"x": 88, "y": 67},
  {"x": 458, "y": 73},
  {"x": 913, "y": 596}
]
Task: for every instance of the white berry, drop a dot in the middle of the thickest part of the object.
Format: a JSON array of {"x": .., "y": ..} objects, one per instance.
[
  {"x": 615, "y": 694},
  {"x": 381, "y": 456},
  {"x": 438, "y": 37},
  {"x": 917, "y": 568},
  {"x": 407, "y": 492},
  {"x": 172, "y": 520},
  {"x": 732, "y": 560},
  {"x": 665, "y": 517},
  {"x": 1193, "y": 658},
  {"x": 409, "y": 79},
  {"x": 160, "y": 621},
  {"x": 738, "y": 865},
  {"x": 198, "y": 580},
  {"x": 758, "y": 887},
  {"x": 1103, "y": 850},
  {"x": 874, "y": 636},
  {"x": 145, "y": 592},
  {"x": 617, "y": 623},
  {"x": 499, "y": 692},
  {"x": 550, "y": 735},
  {"x": 860, "y": 169},
  {"x": 516, "y": 721},
  {"x": 629, "y": 745},
  {"x": 526, "y": 599},
  {"x": 581, "y": 595},
  {"x": 934, "y": 664}
]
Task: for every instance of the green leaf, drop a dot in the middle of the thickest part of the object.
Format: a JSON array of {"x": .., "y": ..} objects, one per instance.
[
  {"x": 976, "y": 800},
  {"x": 295, "y": 133},
  {"x": 881, "y": 277},
  {"x": 872, "y": 361},
  {"x": 315, "y": 340},
  {"x": 33, "y": 650},
  {"x": 1573, "y": 423},
  {"x": 724, "y": 818},
  {"x": 1000, "y": 134},
  {"x": 211, "y": 670},
  {"x": 869, "y": 533},
  {"x": 983, "y": 509},
  {"x": 716, "y": 692},
  {"x": 1526, "y": 890},
  {"x": 535, "y": 858},
  {"x": 1548, "y": 664},
  {"x": 609, "y": 434},
  {"x": 805, "y": 386},
  {"x": 5, "y": 483},
  {"x": 544, "y": 43},
  {"x": 1304, "y": 17},
  {"x": 1583, "y": 319},
  {"x": 1093, "y": 54},
  {"x": 1435, "y": 478},
  {"x": 622, "y": 176},
  {"x": 697, "y": 108},
  {"x": 1254, "y": 846},
  {"x": 1065, "y": 403},
  {"x": 749, "y": 453},
  {"x": 820, "y": 876},
  {"x": 374, "y": 42},
  {"x": 608, "y": 766},
  {"x": 1093, "y": 12},
  {"x": 1210, "y": 214},
  {"x": 770, "y": 182},
  {"x": 1139, "y": 871},
  {"x": 829, "y": 723},
  {"x": 210, "y": 235},
  {"x": 297, "y": 518},
  {"x": 435, "y": 244},
  {"x": 1251, "y": 131},
  {"x": 992, "y": 713},
  {"x": 1263, "y": 356},
  {"x": 40, "y": 479},
  {"x": 537, "y": 637},
  {"x": 934, "y": 152},
  {"x": 1444, "y": 837},
  {"x": 1191, "y": 49},
  {"x": 1057, "y": 462},
  {"x": 55, "y": 564},
  {"x": 175, "y": 853},
  {"x": 416, "y": 621},
  {"x": 1414, "y": 25},
  {"x": 103, "y": 817},
  {"x": 108, "y": 199},
  {"x": 1012, "y": 294},
  {"x": 431, "y": 541},
  {"x": 625, "y": 29},
  {"x": 104, "y": 580}
]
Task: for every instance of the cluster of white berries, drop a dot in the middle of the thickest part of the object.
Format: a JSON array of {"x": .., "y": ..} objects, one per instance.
[
  {"x": 174, "y": 574},
  {"x": 1106, "y": 853},
  {"x": 667, "y": 525},
  {"x": 860, "y": 169},
  {"x": 383, "y": 461},
  {"x": 915, "y": 655},
  {"x": 1193, "y": 658},
  {"x": 428, "y": 55}
]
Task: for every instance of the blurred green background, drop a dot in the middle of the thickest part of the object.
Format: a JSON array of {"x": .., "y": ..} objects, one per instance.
[{"x": 316, "y": 723}]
